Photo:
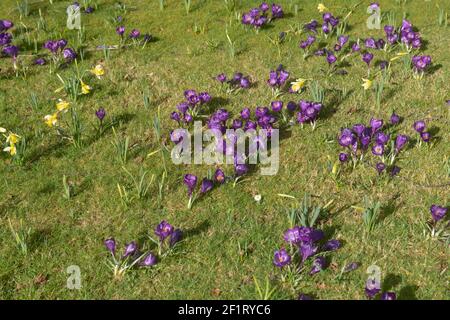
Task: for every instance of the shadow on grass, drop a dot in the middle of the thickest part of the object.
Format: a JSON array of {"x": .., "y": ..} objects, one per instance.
[{"x": 408, "y": 292}]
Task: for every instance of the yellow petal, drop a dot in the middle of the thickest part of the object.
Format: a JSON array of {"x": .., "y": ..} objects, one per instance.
[
  {"x": 62, "y": 105},
  {"x": 98, "y": 71},
  {"x": 321, "y": 7},
  {"x": 85, "y": 89}
]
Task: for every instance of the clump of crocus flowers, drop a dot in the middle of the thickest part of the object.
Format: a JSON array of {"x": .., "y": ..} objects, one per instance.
[
  {"x": 303, "y": 244},
  {"x": 361, "y": 138},
  {"x": 189, "y": 108},
  {"x": 258, "y": 17},
  {"x": 167, "y": 237},
  {"x": 238, "y": 81},
  {"x": 59, "y": 51},
  {"x": 206, "y": 185},
  {"x": 420, "y": 127},
  {"x": 5, "y": 41},
  {"x": 420, "y": 65},
  {"x": 277, "y": 79}
]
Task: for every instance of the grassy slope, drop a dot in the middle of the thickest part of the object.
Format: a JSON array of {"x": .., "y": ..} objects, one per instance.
[{"x": 71, "y": 232}]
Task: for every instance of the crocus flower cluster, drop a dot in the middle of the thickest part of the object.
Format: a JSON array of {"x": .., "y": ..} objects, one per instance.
[
  {"x": 167, "y": 235},
  {"x": 309, "y": 111},
  {"x": 188, "y": 109},
  {"x": 257, "y": 17},
  {"x": 408, "y": 36},
  {"x": 206, "y": 184},
  {"x": 278, "y": 77},
  {"x": 306, "y": 244},
  {"x": 58, "y": 48},
  {"x": 420, "y": 63},
  {"x": 134, "y": 35},
  {"x": 329, "y": 23},
  {"x": 237, "y": 81},
  {"x": 359, "y": 138},
  {"x": 130, "y": 257},
  {"x": 420, "y": 127}
]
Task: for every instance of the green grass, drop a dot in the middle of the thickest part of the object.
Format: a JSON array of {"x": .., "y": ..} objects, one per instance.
[{"x": 229, "y": 237}]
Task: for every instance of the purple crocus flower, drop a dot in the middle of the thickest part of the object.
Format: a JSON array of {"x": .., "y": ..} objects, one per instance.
[
  {"x": 221, "y": 78},
  {"x": 367, "y": 57},
  {"x": 376, "y": 124},
  {"x": 388, "y": 296},
  {"x": 395, "y": 118},
  {"x": 378, "y": 149},
  {"x": 120, "y": 30},
  {"x": 134, "y": 34},
  {"x": 395, "y": 171},
  {"x": 40, "y": 61},
  {"x": 292, "y": 235},
  {"x": 264, "y": 7},
  {"x": 319, "y": 264},
  {"x": 245, "y": 113},
  {"x": 303, "y": 296},
  {"x": 370, "y": 43},
  {"x": 149, "y": 260},
  {"x": 419, "y": 126},
  {"x": 110, "y": 245},
  {"x": 292, "y": 106},
  {"x": 69, "y": 54},
  {"x": 190, "y": 181},
  {"x": 5, "y": 25},
  {"x": 206, "y": 186},
  {"x": 400, "y": 142},
  {"x": 100, "y": 113},
  {"x": 343, "y": 157},
  {"x": 130, "y": 249},
  {"x": 307, "y": 249},
  {"x": 342, "y": 40},
  {"x": 380, "y": 166},
  {"x": 240, "y": 169},
  {"x": 89, "y": 10},
  {"x": 381, "y": 138},
  {"x": 372, "y": 288},
  {"x": 425, "y": 136},
  {"x": 356, "y": 47},
  {"x": 11, "y": 51},
  {"x": 438, "y": 212},
  {"x": 276, "y": 106},
  {"x": 244, "y": 83},
  {"x": 331, "y": 58},
  {"x": 5, "y": 39},
  {"x": 277, "y": 11},
  {"x": 331, "y": 245},
  {"x": 346, "y": 138},
  {"x": 281, "y": 258},
  {"x": 219, "y": 176},
  {"x": 175, "y": 237},
  {"x": 204, "y": 97},
  {"x": 359, "y": 129},
  {"x": 163, "y": 230}
]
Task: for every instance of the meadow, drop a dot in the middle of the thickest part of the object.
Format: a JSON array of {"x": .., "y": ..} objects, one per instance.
[{"x": 87, "y": 145}]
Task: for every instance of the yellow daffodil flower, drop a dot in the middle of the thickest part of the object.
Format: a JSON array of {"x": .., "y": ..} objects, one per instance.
[
  {"x": 11, "y": 149},
  {"x": 85, "y": 89},
  {"x": 298, "y": 84},
  {"x": 98, "y": 71},
  {"x": 62, "y": 105},
  {"x": 367, "y": 84},
  {"x": 51, "y": 119},
  {"x": 321, "y": 7},
  {"x": 12, "y": 138}
]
